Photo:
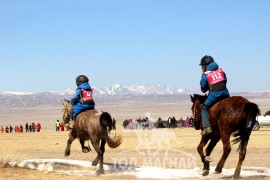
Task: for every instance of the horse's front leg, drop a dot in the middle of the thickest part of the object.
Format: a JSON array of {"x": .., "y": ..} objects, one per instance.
[
  {"x": 225, "y": 138},
  {"x": 203, "y": 142},
  {"x": 70, "y": 140},
  {"x": 211, "y": 145}
]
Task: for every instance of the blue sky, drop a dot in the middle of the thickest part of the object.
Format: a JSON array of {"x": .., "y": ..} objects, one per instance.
[{"x": 44, "y": 45}]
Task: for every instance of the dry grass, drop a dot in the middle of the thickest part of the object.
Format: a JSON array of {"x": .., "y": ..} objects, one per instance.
[{"x": 49, "y": 144}]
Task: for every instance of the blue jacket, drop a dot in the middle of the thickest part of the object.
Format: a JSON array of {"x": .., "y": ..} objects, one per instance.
[
  {"x": 77, "y": 106},
  {"x": 213, "y": 97}
]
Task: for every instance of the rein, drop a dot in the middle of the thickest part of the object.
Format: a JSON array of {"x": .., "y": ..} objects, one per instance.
[
  {"x": 66, "y": 111},
  {"x": 195, "y": 109}
]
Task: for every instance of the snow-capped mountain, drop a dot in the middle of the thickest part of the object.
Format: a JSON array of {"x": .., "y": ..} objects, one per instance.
[
  {"x": 140, "y": 90},
  {"x": 114, "y": 94},
  {"x": 13, "y": 99},
  {"x": 120, "y": 90},
  {"x": 68, "y": 91}
]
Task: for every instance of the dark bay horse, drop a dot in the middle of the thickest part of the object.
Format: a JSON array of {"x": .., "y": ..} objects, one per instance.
[
  {"x": 91, "y": 125},
  {"x": 231, "y": 116}
]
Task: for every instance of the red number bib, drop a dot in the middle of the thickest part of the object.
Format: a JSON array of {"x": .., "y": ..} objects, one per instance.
[
  {"x": 215, "y": 77},
  {"x": 87, "y": 95}
]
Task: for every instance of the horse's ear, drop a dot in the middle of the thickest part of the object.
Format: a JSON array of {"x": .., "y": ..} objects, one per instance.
[
  {"x": 192, "y": 98},
  {"x": 64, "y": 101}
]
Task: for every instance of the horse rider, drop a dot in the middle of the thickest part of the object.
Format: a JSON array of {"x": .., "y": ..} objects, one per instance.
[
  {"x": 83, "y": 98},
  {"x": 213, "y": 80}
]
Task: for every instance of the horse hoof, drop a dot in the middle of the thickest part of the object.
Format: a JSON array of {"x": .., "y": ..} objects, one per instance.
[
  {"x": 99, "y": 172},
  {"x": 236, "y": 176},
  {"x": 205, "y": 172},
  {"x": 67, "y": 153},
  {"x": 94, "y": 163},
  {"x": 85, "y": 150},
  {"x": 218, "y": 170}
]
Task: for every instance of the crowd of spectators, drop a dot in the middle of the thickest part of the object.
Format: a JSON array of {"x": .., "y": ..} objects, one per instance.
[
  {"x": 20, "y": 129},
  {"x": 145, "y": 123},
  {"x": 59, "y": 126}
]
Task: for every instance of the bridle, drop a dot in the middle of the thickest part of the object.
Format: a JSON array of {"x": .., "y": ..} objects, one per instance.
[
  {"x": 66, "y": 113},
  {"x": 196, "y": 113},
  {"x": 195, "y": 108}
]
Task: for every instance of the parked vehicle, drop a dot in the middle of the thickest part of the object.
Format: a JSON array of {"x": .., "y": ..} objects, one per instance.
[{"x": 262, "y": 121}]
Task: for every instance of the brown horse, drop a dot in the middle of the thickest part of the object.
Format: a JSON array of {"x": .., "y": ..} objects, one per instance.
[
  {"x": 234, "y": 115},
  {"x": 91, "y": 125}
]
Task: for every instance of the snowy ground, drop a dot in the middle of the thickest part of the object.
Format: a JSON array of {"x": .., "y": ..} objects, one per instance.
[{"x": 84, "y": 168}]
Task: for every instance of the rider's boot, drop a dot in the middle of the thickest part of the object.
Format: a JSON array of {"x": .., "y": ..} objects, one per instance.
[
  {"x": 205, "y": 121},
  {"x": 71, "y": 124}
]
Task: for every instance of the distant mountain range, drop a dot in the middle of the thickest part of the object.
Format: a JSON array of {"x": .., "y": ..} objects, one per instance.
[
  {"x": 142, "y": 90},
  {"x": 121, "y": 90},
  {"x": 25, "y": 99},
  {"x": 117, "y": 92}
]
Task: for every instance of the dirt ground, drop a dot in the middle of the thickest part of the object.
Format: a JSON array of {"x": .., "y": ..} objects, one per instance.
[
  {"x": 139, "y": 147},
  {"x": 49, "y": 144}
]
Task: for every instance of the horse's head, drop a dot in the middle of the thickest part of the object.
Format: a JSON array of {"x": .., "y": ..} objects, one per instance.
[
  {"x": 67, "y": 110},
  {"x": 197, "y": 101}
]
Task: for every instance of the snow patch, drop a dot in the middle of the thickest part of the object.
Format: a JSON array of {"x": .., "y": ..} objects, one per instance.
[{"x": 85, "y": 168}]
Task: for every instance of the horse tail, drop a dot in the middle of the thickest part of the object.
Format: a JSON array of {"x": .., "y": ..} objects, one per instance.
[
  {"x": 242, "y": 135},
  {"x": 106, "y": 122},
  {"x": 115, "y": 141}
]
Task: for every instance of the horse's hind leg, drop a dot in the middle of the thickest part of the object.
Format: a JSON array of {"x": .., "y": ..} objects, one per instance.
[
  {"x": 242, "y": 155},
  {"x": 70, "y": 140},
  {"x": 102, "y": 145},
  {"x": 102, "y": 148},
  {"x": 99, "y": 157},
  {"x": 226, "y": 151}
]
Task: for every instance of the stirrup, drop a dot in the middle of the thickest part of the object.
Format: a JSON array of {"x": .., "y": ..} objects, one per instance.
[
  {"x": 71, "y": 124},
  {"x": 206, "y": 130}
]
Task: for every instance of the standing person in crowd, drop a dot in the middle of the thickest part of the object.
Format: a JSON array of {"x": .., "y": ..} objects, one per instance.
[
  {"x": 21, "y": 128},
  {"x": 7, "y": 129},
  {"x": 38, "y": 127},
  {"x": 113, "y": 124},
  {"x": 26, "y": 127},
  {"x": 30, "y": 128},
  {"x": 57, "y": 125},
  {"x": 181, "y": 123},
  {"x": 214, "y": 80},
  {"x": 10, "y": 129},
  {"x": 187, "y": 122},
  {"x": 17, "y": 129},
  {"x": 169, "y": 122},
  {"x": 2, "y": 129},
  {"x": 34, "y": 126},
  {"x": 191, "y": 121},
  {"x": 62, "y": 126},
  {"x": 83, "y": 98}
]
